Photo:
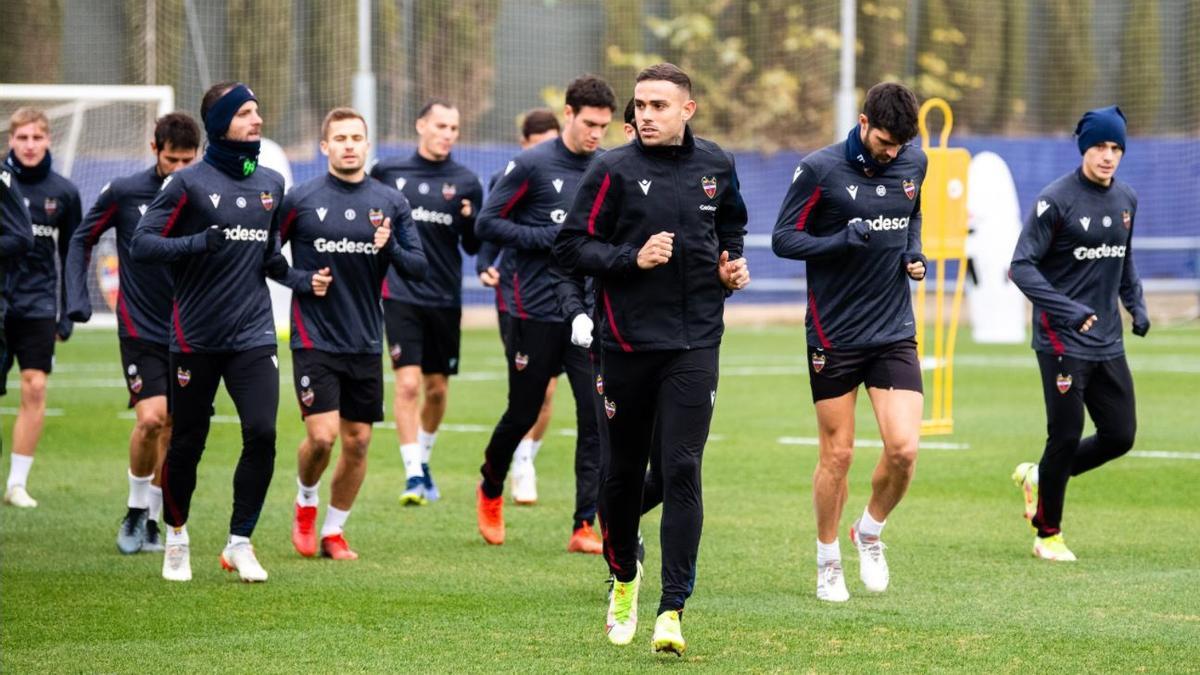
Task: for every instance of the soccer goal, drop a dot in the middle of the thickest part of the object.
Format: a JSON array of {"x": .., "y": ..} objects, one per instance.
[{"x": 98, "y": 132}]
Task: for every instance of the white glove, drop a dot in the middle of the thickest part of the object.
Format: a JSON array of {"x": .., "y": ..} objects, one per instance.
[{"x": 581, "y": 331}]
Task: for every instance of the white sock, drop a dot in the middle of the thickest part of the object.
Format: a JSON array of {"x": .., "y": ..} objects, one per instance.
[
  {"x": 235, "y": 539},
  {"x": 411, "y": 454},
  {"x": 18, "y": 469},
  {"x": 828, "y": 552},
  {"x": 155, "y": 504},
  {"x": 868, "y": 526},
  {"x": 524, "y": 452},
  {"x": 307, "y": 495},
  {"x": 177, "y": 535},
  {"x": 139, "y": 491},
  {"x": 533, "y": 450},
  {"x": 426, "y": 439},
  {"x": 335, "y": 520}
]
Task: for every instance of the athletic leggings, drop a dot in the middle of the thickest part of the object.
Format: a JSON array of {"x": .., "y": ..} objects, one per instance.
[
  {"x": 673, "y": 391},
  {"x": 538, "y": 351},
  {"x": 252, "y": 380},
  {"x": 1069, "y": 385}
]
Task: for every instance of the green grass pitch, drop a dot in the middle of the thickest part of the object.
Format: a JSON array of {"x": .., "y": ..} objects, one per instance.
[{"x": 428, "y": 595}]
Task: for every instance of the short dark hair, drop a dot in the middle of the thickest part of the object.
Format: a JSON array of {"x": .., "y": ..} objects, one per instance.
[
  {"x": 630, "y": 114},
  {"x": 178, "y": 130},
  {"x": 589, "y": 91},
  {"x": 538, "y": 121},
  {"x": 435, "y": 101},
  {"x": 668, "y": 72},
  {"x": 214, "y": 94},
  {"x": 892, "y": 107}
]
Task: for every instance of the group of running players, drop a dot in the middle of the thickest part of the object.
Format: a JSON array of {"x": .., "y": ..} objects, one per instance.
[{"x": 612, "y": 267}]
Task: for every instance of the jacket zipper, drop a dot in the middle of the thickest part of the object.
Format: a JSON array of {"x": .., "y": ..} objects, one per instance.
[{"x": 679, "y": 237}]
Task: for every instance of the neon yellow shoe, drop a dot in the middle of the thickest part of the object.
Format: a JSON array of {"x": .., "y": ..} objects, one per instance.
[
  {"x": 1052, "y": 548},
  {"x": 668, "y": 634},
  {"x": 621, "y": 622},
  {"x": 1026, "y": 477}
]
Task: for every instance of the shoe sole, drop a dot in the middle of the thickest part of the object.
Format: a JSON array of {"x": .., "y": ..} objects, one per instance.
[
  {"x": 304, "y": 550},
  {"x": 524, "y": 502},
  {"x": 228, "y": 567},
  {"x": 668, "y": 646},
  {"x": 412, "y": 500}
]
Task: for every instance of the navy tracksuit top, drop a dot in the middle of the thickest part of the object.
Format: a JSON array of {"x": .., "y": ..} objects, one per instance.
[
  {"x": 221, "y": 301},
  {"x": 435, "y": 191},
  {"x": 857, "y": 297},
  {"x": 144, "y": 296},
  {"x": 331, "y": 223}
]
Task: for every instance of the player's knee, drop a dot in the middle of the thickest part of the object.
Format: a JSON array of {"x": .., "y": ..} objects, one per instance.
[
  {"x": 407, "y": 391},
  {"x": 320, "y": 441},
  {"x": 902, "y": 455},
  {"x": 1119, "y": 441},
  {"x": 259, "y": 433},
  {"x": 837, "y": 457},
  {"x": 435, "y": 394},
  {"x": 151, "y": 422},
  {"x": 33, "y": 388}
]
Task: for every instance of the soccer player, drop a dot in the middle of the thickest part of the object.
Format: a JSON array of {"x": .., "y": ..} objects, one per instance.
[
  {"x": 216, "y": 222},
  {"x": 661, "y": 296},
  {"x": 143, "y": 329},
  {"x": 1074, "y": 261},
  {"x": 538, "y": 125},
  {"x": 422, "y": 318},
  {"x": 16, "y": 239},
  {"x": 356, "y": 228},
  {"x": 853, "y": 214},
  {"x": 37, "y": 315},
  {"x": 524, "y": 213}
]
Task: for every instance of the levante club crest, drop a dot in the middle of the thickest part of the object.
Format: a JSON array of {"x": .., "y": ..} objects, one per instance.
[
  {"x": 448, "y": 191},
  {"x": 818, "y": 361},
  {"x": 376, "y": 217},
  {"x": 710, "y": 186},
  {"x": 1064, "y": 383},
  {"x": 267, "y": 200},
  {"x": 521, "y": 360},
  {"x": 910, "y": 188},
  {"x": 184, "y": 376}
]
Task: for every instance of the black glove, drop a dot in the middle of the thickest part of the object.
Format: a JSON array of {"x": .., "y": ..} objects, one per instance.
[
  {"x": 64, "y": 329},
  {"x": 858, "y": 232},
  {"x": 276, "y": 267},
  {"x": 1141, "y": 324},
  {"x": 214, "y": 238}
]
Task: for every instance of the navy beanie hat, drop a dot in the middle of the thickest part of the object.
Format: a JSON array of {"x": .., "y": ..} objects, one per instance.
[
  {"x": 219, "y": 116},
  {"x": 1100, "y": 126}
]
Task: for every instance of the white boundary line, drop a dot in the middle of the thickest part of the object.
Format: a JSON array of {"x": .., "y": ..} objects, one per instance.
[{"x": 870, "y": 443}]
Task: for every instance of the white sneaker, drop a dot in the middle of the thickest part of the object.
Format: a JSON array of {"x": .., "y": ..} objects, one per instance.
[
  {"x": 177, "y": 563},
  {"x": 240, "y": 558},
  {"x": 831, "y": 583},
  {"x": 872, "y": 566},
  {"x": 17, "y": 496},
  {"x": 524, "y": 484}
]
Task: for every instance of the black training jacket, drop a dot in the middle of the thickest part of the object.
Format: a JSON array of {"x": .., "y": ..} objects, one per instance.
[{"x": 632, "y": 192}]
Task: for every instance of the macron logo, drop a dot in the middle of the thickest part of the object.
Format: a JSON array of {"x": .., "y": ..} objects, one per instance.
[
  {"x": 6, "y": 178},
  {"x": 557, "y": 182},
  {"x": 645, "y": 185},
  {"x": 142, "y": 209},
  {"x": 215, "y": 199},
  {"x": 400, "y": 182},
  {"x": 1042, "y": 206},
  {"x": 853, "y": 190},
  {"x": 796, "y": 174},
  {"x": 1085, "y": 222},
  {"x": 508, "y": 169},
  {"x": 321, "y": 211}
]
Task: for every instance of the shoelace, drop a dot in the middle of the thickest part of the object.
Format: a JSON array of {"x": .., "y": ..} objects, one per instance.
[
  {"x": 874, "y": 549},
  {"x": 175, "y": 555},
  {"x": 831, "y": 571}
]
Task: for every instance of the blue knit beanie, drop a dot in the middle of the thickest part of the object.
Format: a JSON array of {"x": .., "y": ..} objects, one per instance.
[{"x": 1100, "y": 126}]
